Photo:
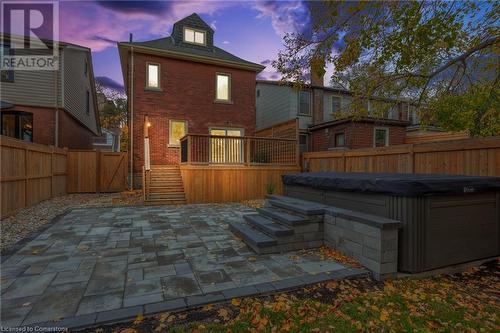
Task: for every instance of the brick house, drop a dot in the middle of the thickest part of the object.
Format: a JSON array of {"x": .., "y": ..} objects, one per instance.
[
  {"x": 348, "y": 133},
  {"x": 183, "y": 84},
  {"x": 321, "y": 125},
  {"x": 56, "y": 107}
]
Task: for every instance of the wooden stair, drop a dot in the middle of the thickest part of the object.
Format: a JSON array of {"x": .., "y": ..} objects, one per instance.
[{"x": 164, "y": 186}]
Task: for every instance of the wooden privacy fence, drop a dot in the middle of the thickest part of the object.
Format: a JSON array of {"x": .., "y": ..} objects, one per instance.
[
  {"x": 30, "y": 173},
  {"x": 478, "y": 157},
  {"x": 96, "y": 171}
]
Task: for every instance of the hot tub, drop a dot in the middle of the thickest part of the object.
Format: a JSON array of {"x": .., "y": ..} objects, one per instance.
[{"x": 446, "y": 219}]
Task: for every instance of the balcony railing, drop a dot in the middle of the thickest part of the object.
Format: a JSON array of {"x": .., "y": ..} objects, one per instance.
[{"x": 238, "y": 150}]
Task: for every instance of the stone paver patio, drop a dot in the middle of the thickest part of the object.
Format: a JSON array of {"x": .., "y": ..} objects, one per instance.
[{"x": 106, "y": 264}]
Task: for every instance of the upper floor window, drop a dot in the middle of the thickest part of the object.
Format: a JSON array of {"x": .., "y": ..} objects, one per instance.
[
  {"x": 336, "y": 104},
  {"x": 153, "y": 76},
  {"x": 223, "y": 87},
  {"x": 304, "y": 103},
  {"x": 393, "y": 112},
  {"x": 194, "y": 36},
  {"x": 6, "y": 75}
]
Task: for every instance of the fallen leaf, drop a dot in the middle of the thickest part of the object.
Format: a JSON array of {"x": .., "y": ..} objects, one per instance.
[
  {"x": 236, "y": 301},
  {"x": 207, "y": 308},
  {"x": 223, "y": 313},
  {"x": 139, "y": 319}
]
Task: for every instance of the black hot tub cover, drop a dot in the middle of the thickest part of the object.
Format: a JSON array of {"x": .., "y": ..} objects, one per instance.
[{"x": 402, "y": 184}]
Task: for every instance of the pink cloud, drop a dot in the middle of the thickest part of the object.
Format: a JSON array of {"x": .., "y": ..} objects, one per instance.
[
  {"x": 86, "y": 24},
  {"x": 98, "y": 27},
  {"x": 286, "y": 16}
]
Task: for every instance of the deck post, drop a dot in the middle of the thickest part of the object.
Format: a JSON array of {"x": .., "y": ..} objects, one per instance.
[
  {"x": 189, "y": 149},
  {"x": 247, "y": 147}
]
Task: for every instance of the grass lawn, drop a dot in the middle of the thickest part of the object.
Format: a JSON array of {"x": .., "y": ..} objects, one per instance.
[{"x": 466, "y": 302}]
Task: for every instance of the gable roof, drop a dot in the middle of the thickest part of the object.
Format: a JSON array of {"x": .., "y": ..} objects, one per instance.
[
  {"x": 167, "y": 46},
  {"x": 175, "y": 47},
  {"x": 194, "y": 21}
]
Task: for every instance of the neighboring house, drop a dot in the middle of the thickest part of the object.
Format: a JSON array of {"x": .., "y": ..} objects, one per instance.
[
  {"x": 320, "y": 124},
  {"x": 183, "y": 84},
  {"x": 51, "y": 107},
  {"x": 108, "y": 141}
]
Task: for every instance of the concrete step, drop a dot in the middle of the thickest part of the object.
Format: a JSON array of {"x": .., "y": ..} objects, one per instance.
[
  {"x": 302, "y": 207},
  {"x": 252, "y": 237},
  {"x": 267, "y": 226},
  {"x": 283, "y": 217}
]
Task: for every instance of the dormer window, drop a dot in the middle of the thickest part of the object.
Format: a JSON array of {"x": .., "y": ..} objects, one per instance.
[{"x": 194, "y": 36}]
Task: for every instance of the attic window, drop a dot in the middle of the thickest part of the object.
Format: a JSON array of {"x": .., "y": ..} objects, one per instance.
[{"x": 194, "y": 36}]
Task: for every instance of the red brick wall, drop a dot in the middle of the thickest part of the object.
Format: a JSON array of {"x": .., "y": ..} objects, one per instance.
[
  {"x": 43, "y": 123},
  {"x": 357, "y": 135},
  {"x": 72, "y": 134},
  {"x": 188, "y": 93}
]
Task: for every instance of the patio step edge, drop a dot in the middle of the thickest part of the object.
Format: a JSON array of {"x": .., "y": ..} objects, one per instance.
[
  {"x": 303, "y": 208},
  {"x": 282, "y": 216},
  {"x": 252, "y": 237},
  {"x": 267, "y": 225}
]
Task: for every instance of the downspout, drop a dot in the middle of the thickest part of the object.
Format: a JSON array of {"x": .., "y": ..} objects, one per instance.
[
  {"x": 131, "y": 129},
  {"x": 56, "y": 106}
]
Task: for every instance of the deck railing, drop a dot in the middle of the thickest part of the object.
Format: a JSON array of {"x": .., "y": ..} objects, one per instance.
[{"x": 236, "y": 150}]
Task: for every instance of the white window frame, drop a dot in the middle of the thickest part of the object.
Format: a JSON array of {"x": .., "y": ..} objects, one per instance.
[
  {"x": 386, "y": 129},
  {"x": 194, "y": 36},
  {"x": 229, "y": 88},
  {"x": 170, "y": 121},
  {"x": 158, "y": 78},
  {"x": 310, "y": 103}
]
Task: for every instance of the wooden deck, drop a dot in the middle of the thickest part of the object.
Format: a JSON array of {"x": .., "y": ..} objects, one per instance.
[{"x": 216, "y": 169}]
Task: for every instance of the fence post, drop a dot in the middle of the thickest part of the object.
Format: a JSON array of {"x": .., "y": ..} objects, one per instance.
[
  {"x": 98, "y": 171},
  {"x": 26, "y": 176},
  {"x": 247, "y": 141},
  {"x": 52, "y": 173},
  {"x": 344, "y": 161},
  {"x": 189, "y": 149}
]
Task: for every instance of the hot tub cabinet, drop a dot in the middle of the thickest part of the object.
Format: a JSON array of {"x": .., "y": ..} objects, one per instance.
[{"x": 446, "y": 220}]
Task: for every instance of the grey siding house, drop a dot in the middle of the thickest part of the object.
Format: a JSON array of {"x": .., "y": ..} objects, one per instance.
[
  {"x": 314, "y": 105},
  {"x": 53, "y": 107}
]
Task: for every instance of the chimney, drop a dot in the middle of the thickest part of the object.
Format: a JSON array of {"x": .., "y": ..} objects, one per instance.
[
  {"x": 317, "y": 72},
  {"x": 317, "y": 77}
]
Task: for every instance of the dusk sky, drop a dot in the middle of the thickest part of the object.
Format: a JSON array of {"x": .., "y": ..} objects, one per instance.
[{"x": 252, "y": 30}]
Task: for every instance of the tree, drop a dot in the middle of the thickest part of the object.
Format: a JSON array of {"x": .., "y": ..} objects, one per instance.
[
  {"x": 113, "y": 112},
  {"x": 112, "y": 108},
  {"x": 431, "y": 52}
]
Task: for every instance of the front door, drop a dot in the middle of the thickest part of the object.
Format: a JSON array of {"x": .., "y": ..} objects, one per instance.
[{"x": 229, "y": 148}]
